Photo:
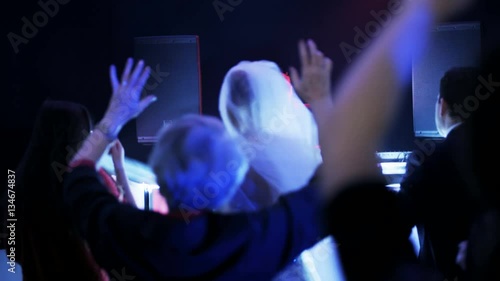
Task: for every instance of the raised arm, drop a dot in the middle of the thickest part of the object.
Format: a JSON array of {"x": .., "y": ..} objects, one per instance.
[
  {"x": 118, "y": 155},
  {"x": 125, "y": 104}
]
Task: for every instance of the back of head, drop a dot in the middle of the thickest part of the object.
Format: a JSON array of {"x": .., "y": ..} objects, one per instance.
[
  {"x": 256, "y": 97},
  {"x": 278, "y": 131},
  {"x": 198, "y": 165},
  {"x": 59, "y": 130},
  {"x": 458, "y": 88},
  {"x": 47, "y": 236}
]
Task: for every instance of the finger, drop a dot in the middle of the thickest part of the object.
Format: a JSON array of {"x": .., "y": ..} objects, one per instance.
[
  {"x": 144, "y": 103},
  {"x": 126, "y": 72},
  {"x": 135, "y": 74},
  {"x": 110, "y": 151},
  {"x": 112, "y": 146},
  {"x": 318, "y": 58},
  {"x": 316, "y": 55},
  {"x": 294, "y": 76},
  {"x": 113, "y": 77},
  {"x": 312, "y": 46},
  {"x": 303, "y": 54},
  {"x": 119, "y": 145},
  {"x": 328, "y": 65},
  {"x": 139, "y": 84}
]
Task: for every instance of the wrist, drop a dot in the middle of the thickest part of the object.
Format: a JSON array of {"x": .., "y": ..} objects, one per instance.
[
  {"x": 110, "y": 132},
  {"x": 119, "y": 168},
  {"x": 321, "y": 102}
]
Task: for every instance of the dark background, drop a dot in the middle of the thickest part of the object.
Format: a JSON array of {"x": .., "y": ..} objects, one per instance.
[{"x": 68, "y": 58}]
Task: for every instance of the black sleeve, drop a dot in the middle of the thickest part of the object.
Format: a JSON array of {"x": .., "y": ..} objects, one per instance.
[
  {"x": 371, "y": 232},
  {"x": 483, "y": 249},
  {"x": 246, "y": 246},
  {"x": 115, "y": 232},
  {"x": 412, "y": 193}
]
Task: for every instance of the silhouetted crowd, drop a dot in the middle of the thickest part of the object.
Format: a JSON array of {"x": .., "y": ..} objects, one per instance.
[{"x": 273, "y": 190}]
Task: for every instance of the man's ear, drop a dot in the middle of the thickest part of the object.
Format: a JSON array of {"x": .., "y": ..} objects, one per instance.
[{"x": 443, "y": 107}]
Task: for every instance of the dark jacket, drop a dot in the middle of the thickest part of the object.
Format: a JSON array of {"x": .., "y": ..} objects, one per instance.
[
  {"x": 150, "y": 246},
  {"x": 372, "y": 235},
  {"x": 436, "y": 194}
]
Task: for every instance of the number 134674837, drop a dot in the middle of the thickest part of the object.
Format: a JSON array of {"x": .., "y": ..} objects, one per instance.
[{"x": 11, "y": 220}]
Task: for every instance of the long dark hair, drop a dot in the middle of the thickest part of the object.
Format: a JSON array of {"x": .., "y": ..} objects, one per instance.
[{"x": 50, "y": 247}]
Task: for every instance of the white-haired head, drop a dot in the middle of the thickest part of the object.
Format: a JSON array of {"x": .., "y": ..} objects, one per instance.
[{"x": 198, "y": 165}]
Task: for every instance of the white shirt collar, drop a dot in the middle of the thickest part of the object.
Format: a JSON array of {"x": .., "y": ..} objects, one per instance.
[{"x": 453, "y": 127}]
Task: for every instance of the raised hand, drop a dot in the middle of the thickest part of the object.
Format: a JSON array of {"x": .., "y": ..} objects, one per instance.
[
  {"x": 117, "y": 154},
  {"x": 314, "y": 82},
  {"x": 126, "y": 101},
  {"x": 125, "y": 104}
]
